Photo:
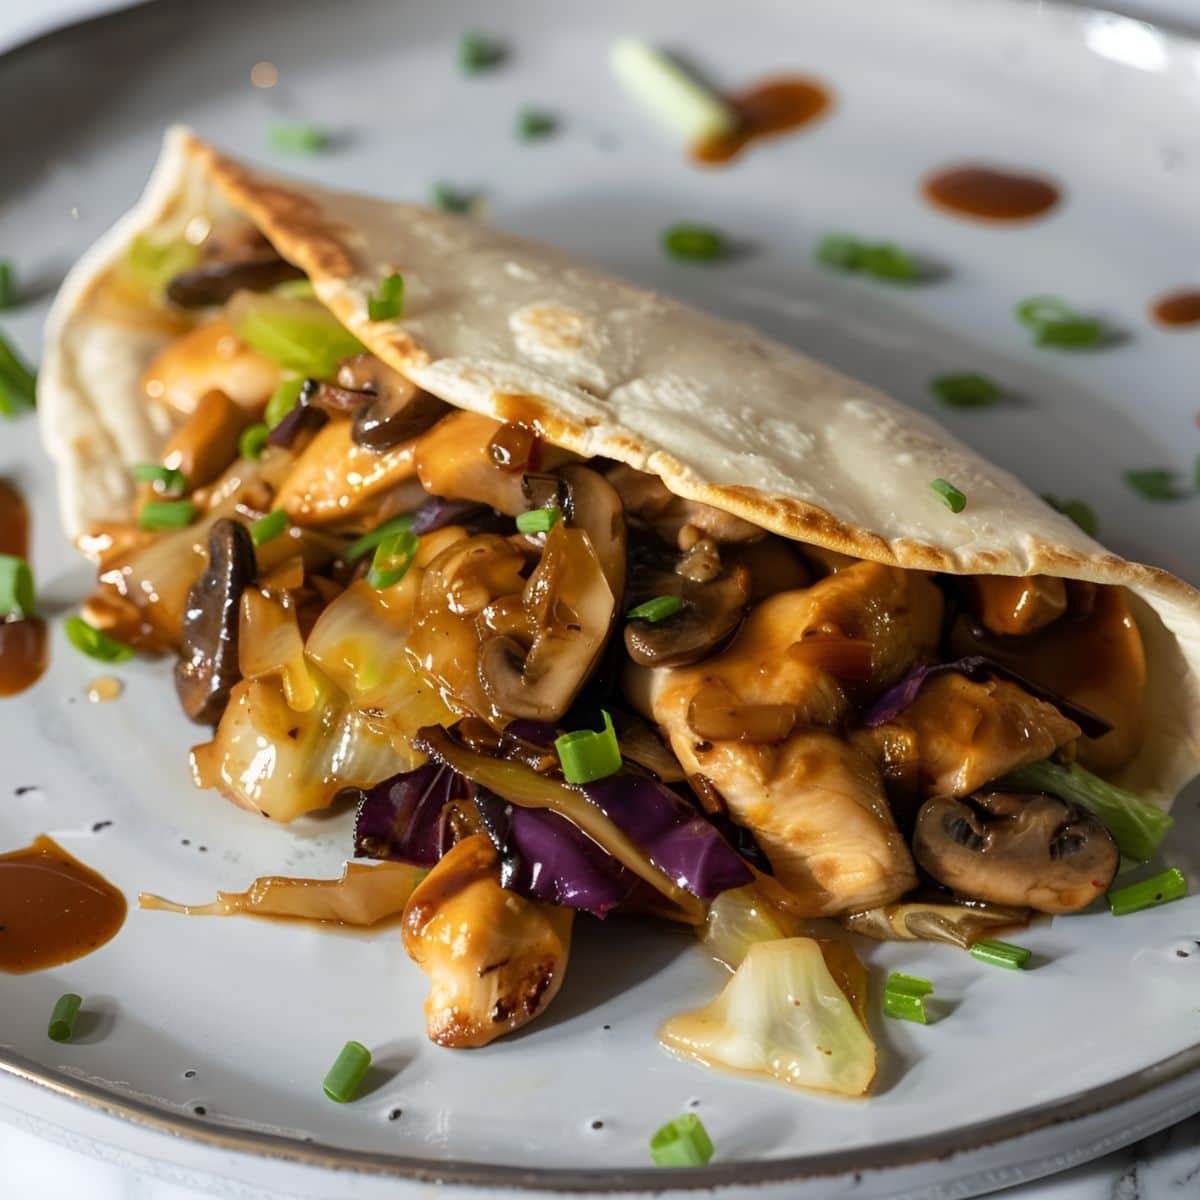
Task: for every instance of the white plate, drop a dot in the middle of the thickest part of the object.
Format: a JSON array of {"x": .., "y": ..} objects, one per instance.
[{"x": 257, "y": 1010}]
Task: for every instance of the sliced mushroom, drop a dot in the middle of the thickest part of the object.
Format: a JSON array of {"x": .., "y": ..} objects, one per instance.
[
  {"x": 594, "y": 506},
  {"x": 214, "y": 282},
  {"x": 208, "y": 668},
  {"x": 1018, "y": 848},
  {"x": 394, "y": 409}
]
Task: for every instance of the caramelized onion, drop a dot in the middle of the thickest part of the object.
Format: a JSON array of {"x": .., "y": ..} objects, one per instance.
[
  {"x": 718, "y": 720},
  {"x": 846, "y": 658}
]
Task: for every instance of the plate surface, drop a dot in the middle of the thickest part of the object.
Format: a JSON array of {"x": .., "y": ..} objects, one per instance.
[{"x": 240, "y": 1018}]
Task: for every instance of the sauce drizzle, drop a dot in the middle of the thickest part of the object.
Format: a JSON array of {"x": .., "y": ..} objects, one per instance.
[
  {"x": 14, "y": 522},
  {"x": 767, "y": 109},
  {"x": 22, "y": 643},
  {"x": 53, "y": 908},
  {"x": 989, "y": 194},
  {"x": 1177, "y": 309}
]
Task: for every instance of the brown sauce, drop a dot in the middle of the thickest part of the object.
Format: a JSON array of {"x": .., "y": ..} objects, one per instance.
[
  {"x": 53, "y": 909},
  {"x": 14, "y": 522},
  {"x": 989, "y": 194},
  {"x": 23, "y": 644},
  {"x": 1177, "y": 309},
  {"x": 767, "y": 109}
]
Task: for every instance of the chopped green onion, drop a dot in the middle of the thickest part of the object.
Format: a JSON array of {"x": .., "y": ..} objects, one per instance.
[
  {"x": 658, "y": 609},
  {"x": 477, "y": 52},
  {"x": 8, "y": 287},
  {"x": 346, "y": 1075},
  {"x": 680, "y": 102},
  {"x": 1155, "y": 483},
  {"x": 95, "y": 643},
  {"x": 887, "y": 261},
  {"x": 450, "y": 199},
  {"x": 298, "y": 137},
  {"x": 18, "y": 597},
  {"x": 167, "y": 481},
  {"x": 166, "y": 514},
  {"x": 1079, "y": 512},
  {"x": 949, "y": 495},
  {"x": 840, "y": 251},
  {"x": 538, "y": 520},
  {"x": 968, "y": 390},
  {"x": 267, "y": 528},
  {"x": 1055, "y": 323},
  {"x": 393, "y": 556},
  {"x": 154, "y": 264},
  {"x": 1150, "y": 893},
  {"x": 534, "y": 123},
  {"x": 388, "y": 302},
  {"x": 1001, "y": 954},
  {"x": 18, "y": 383},
  {"x": 1041, "y": 310},
  {"x": 381, "y": 533},
  {"x": 253, "y": 441},
  {"x": 904, "y": 997},
  {"x": 62, "y": 1019},
  {"x": 301, "y": 335},
  {"x": 694, "y": 243},
  {"x": 1136, "y": 826},
  {"x": 683, "y": 1142},
  {"x": 283, "y": 400},
  {"x": 587, "y": 754}
]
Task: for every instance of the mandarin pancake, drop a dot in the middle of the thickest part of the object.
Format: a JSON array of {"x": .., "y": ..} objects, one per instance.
[
  {"x": 22, "y": 640},
  {"x": 989, "y": 194},
  {"x": 767, "y": 109},
  {"x": 53, "y": 908},
  {"x": 1177, "y": 310}
]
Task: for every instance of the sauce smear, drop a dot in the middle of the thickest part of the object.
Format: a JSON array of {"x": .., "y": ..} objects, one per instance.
[
  {"x": 53, "y": 909},
  {"x": 767, "y": 109},
  {"x": 989, "y": 194},
  {"x": 22, "y": 643},
  {"x": 1177, "y": 308},
  {"x": 14, "y": 522}
]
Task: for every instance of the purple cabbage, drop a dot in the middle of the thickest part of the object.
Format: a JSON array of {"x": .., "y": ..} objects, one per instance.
[
  {"x": 404, "y": 817},
  {"x": 437, "y": 513},
  {"x": 977, "y": 668},
  {"x": 301, "y": 416}
]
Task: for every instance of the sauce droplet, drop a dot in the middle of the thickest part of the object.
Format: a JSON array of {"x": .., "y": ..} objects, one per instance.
[
  {"x": 22, "y": 654},
  {"x": 766, "y": 109},
  {"x": 989, "y": 194},
  {"x": 103, "y": 689},
  {"x": 53, "y": 908},
  {"x": 1177, "y": 309},
  {"x": 14, "y": 522}
]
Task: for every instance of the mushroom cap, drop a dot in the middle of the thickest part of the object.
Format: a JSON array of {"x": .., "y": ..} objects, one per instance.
[
  {"x": 395, "y": 409},
  {"x": 1018, "y": 848}
]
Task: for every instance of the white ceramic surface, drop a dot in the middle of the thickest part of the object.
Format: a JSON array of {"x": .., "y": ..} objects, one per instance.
[{"x": 256, "y": 1010}]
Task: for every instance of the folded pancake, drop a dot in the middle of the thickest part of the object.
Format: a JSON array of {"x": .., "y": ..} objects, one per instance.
[{"x": 518, "y": 332}]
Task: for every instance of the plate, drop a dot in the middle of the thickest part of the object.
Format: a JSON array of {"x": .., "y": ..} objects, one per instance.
[{"x": 220, "y": 1031}]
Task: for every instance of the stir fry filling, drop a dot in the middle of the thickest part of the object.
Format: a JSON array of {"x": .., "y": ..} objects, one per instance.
[{"x": 374, "y": 596}]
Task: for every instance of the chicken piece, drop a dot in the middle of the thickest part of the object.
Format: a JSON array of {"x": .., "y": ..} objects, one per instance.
[
  {"x": 958, "y": 735},
  {"x": 495, "y": 960},
  {"x": 453, "y": 459}
]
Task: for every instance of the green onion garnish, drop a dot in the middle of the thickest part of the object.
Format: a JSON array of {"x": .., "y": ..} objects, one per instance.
[
  {"x": 538, "y": 520},
  {"x": 658, "y": 609},
  {"x": 283, "y": 400},
  {"x": 694, "y": 243},
  {"x": 267, "y": 528},
  {"x": 8, "y": 286},
  {"x": 166, "y": 514},
  {"x": 587, "y": 754},
  {"x": 298, "y": 137},
  {"x": 904, "y": 997},
  {"x": 388, "y": 302},
  {"x": 1136, "y": 826},
  {"x": 1079, "y": 512},
  {"x": 300, "y": 335},
  {"x": 346, "y": 1075},
  {"x": 253, "y": 441},
  {"x": 393, "y": 556},
  {"x": 167, "y": 481},
  {"x": 449, "y": 198},
  {"x": 18, "y": 597},
  {"x": 683, "y": 1142},
  {"x": 1150, "y": 893},
  {"x": 887, "y": 261},
  {"x": 1001, "y": 954},
  {"x": 95, "y": 643},
  {"x": 1055, "y": 323},
  {"x": 681, "y": 103},
  {"x": 965, "y": 391},
  {"x": 477, "y": 52},
  {"x": 949, "y": 495},
  {"x": 18, "y": 383},
  {"x": 381, "y": 533},
  {"x": 1155, "y": 483},
  {"x": 534, "y": 123},
  {"x": 62, "y": 1019},
  {"x": 840, "y": 251}
]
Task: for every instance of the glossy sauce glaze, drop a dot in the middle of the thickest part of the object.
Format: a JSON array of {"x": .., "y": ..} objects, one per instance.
[
  {"x": 988, "y": 194},
  {"x": 1177, "y": 309},
  {"x": 22, "y": 643},
  {"x": 767, "y": 109},
  {"x": 53, "y": 908}
]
